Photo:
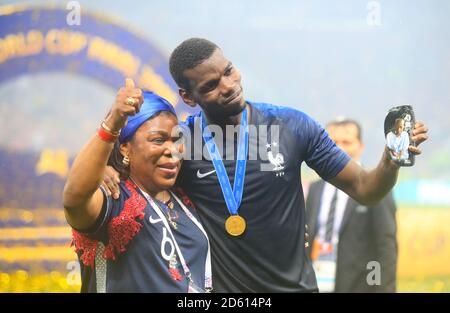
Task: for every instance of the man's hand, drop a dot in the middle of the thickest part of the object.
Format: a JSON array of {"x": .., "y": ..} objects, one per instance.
[
  {"x": 111, "y": 182},
  {"x": 419, "y": 135}
]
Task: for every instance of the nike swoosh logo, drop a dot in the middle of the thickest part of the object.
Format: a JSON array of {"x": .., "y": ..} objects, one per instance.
[
  {"x": 154, "y": 221},
  {"x": 202, "y": 175}
]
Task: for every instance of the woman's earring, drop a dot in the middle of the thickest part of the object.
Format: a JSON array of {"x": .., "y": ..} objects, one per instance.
[{"x": 126, "y": 161}]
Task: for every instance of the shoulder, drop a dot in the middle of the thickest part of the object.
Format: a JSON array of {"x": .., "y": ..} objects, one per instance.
[
  {"x": 189, "y": 122},
  {"x": 120, "y": 223},
  {"x": 276, "y": 111},
  {"x": 295, "y": 119}
]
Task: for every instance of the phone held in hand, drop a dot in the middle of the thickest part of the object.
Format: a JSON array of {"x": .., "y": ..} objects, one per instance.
[{"x": 398, "y": 126}]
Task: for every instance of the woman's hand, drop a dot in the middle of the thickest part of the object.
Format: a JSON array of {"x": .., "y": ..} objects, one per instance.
[
  {"x": 128, "y": 102},
  {"x": 82, "y": 199}
]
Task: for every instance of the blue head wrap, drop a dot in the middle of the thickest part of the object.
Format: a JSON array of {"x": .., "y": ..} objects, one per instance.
[{"x": 152, "y": 105}]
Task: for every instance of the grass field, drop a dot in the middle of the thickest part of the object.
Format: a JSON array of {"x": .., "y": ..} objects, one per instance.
[{"x": 424, "y": 284}]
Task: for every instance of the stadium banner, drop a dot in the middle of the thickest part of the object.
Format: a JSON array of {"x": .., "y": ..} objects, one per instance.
[{"x": 39, "y": 39}]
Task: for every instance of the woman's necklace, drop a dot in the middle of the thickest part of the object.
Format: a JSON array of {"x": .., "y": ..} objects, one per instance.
[{"x": 168, "y": 204}]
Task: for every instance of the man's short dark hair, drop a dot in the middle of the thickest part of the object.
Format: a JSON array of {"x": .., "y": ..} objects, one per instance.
[
  {"x": 187, "y": 55},
  {"x": 347, "y": 121}
]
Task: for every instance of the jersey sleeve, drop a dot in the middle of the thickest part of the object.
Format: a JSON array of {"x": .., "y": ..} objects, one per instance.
[
  {"x": 119, "y": 222},
  {"x": 319, "y": 151},
  {"x": 110, "y": 208}
]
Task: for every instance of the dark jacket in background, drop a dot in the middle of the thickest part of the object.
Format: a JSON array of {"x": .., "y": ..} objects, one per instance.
[{"x": 366, "y": 234}]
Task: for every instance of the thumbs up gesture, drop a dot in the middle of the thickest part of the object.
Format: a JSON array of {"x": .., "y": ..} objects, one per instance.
[{"x": 128, "y": 102}]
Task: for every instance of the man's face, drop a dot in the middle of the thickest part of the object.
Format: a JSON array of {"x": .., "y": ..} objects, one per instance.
[
  {"x": 401, "y": 126},
  {"x": 346, "y": 137},
  {"x": 215, "y": 86}
]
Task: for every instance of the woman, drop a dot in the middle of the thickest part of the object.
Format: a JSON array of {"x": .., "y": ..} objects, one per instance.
[
  {"x": 398, "y": 141},
  {"x": 147, "y": 240}
]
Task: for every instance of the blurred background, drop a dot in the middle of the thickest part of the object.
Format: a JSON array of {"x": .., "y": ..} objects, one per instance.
[{"x": 61, "y": 63}]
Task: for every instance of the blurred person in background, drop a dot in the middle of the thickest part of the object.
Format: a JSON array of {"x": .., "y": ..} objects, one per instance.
[
  {"x": 146, "y": 240},
  {"x": 344, "y": 235}
]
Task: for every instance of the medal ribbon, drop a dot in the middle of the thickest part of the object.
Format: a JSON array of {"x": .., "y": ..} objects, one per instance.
[{"x": 233, "y": 197}]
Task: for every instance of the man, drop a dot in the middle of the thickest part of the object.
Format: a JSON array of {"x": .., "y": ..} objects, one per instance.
[
  {"x": 257, "y": 229},
  {"x": 346, "y": 236},
  {"x": 398, "y": 141}
]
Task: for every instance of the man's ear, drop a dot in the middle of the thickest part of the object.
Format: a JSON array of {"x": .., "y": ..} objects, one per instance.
[{"x": 187, "y": 97}]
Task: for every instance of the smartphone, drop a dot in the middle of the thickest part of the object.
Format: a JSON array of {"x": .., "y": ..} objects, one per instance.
[{"x": 398, "y": 127}]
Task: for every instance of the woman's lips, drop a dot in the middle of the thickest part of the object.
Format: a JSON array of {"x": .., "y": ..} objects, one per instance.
[{"x": 170, "y": 168}]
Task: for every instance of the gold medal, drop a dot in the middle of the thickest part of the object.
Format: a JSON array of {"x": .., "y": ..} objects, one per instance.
[{"x": 235, "y": 225}]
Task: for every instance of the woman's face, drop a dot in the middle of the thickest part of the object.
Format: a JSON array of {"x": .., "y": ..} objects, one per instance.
[{"x": 155, "y": 154}]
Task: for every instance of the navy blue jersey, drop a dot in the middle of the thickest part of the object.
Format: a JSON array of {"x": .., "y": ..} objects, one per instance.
[
  {"x": 137, "y": 248},
  {"x": 270, "y": 256}
]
